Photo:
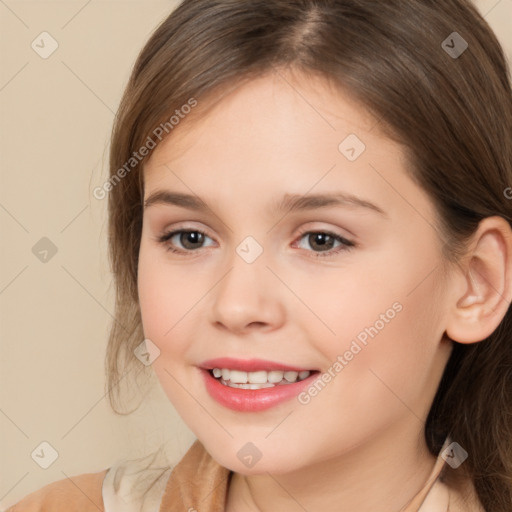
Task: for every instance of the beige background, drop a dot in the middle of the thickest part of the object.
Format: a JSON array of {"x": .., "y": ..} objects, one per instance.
[{"x": 56, "y": 118}]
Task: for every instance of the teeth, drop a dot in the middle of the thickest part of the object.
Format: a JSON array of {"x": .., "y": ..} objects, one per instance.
[
  {"x": 259, "y": 379},
  {"x": 236, "y": 376},
  {"x": 275, "y": 376},
  {"x": 291, "y": 376},
  {"x": 256, "y": 377}
]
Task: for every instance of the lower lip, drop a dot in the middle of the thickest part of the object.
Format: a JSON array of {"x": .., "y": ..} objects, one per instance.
[{"x": 253, "y": 400}]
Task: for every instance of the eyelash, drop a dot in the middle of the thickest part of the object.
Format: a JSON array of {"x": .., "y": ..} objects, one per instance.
[{"x": 346, "y": 245}]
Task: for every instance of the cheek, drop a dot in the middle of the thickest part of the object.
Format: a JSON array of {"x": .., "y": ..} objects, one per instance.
[
  {"x": 165, "y": 297},
  {"x": 166, "y": 301},
  {"x": 399, "y": 366},
  {"x": 344, "y": 302},
  {"x": 387, "y": 321}
]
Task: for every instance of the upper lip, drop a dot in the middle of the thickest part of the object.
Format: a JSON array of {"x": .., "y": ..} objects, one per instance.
[{"x": 249, "y": 365}]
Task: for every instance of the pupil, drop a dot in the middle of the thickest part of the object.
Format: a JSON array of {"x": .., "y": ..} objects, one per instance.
[
  {"x": 191, "y": 238},
  {"x": 322, "y": 240}
]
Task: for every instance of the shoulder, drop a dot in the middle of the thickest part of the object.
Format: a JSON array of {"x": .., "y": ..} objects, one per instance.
[
  {"x": 135, "y": 485},
  {"x": 130, "y": 485},
  {"x": 77, "y": 493}
]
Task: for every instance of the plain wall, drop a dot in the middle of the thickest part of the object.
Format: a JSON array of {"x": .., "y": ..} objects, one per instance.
[{"x": 57, "y": 114}]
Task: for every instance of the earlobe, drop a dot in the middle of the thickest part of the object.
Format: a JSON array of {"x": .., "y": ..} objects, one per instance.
[{"x": 486, "y": 283}]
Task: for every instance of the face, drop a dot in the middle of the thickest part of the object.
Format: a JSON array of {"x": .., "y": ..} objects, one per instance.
[{"x": 238, "y": 260}]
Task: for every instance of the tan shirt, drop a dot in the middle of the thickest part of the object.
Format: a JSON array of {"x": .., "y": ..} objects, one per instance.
[{"x": 197, "y": 484}]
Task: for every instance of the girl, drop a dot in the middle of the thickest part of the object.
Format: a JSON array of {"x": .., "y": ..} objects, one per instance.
[{"x": 309, "y": 207}]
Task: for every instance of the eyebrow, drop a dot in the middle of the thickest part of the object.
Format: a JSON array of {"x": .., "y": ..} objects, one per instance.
[{"x": 289, "y": 202}]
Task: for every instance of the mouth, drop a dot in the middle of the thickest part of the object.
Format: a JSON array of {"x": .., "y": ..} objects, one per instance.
[{"x": 255, "y": 385}]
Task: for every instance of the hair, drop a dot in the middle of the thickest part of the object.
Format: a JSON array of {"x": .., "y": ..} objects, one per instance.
[{"x": 452, "y": 114}]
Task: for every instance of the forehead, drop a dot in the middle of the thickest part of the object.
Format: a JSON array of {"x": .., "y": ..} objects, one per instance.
[{"x": 274, "y": 101}]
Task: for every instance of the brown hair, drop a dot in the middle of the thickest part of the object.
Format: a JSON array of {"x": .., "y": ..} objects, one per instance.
[{"x": 453, "y": 114}]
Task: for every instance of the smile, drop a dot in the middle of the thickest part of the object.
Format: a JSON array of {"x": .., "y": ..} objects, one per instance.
[{"x": 253, "y": 385}]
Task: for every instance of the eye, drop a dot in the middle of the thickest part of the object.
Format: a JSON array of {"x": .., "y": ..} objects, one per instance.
[
  {"x": 189, "y": 239},
  {"x": 323, "y": 243}
]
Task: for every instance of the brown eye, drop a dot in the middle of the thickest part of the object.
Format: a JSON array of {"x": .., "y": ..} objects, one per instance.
[
  {"x": 182, "y": 240},
  {"x": 322, "y": 243},
  {"x": 191, "y": 239}
]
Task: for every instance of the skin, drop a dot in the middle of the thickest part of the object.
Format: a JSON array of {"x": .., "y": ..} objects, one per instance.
[{"x": 358, "y": 443}]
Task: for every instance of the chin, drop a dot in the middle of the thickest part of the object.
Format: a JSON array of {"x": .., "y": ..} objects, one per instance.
[{"x": 248, "y": 458}]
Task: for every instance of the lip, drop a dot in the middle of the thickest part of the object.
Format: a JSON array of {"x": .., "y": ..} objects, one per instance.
[
  {"x": 249, "y": 365},
  {"x": 251, "y": 400}
]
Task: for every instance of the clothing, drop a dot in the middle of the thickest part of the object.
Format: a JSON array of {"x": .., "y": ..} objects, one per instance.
[{"x": 197, "y": 483}]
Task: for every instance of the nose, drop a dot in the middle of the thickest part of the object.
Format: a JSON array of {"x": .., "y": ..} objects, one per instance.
[{"x": 247, "y": 298}]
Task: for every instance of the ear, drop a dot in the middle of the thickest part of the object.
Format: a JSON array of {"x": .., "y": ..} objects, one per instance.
[{"x": 483, "y": 289}]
